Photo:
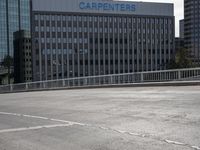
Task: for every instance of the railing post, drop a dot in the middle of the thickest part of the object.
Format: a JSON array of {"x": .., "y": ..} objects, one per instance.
[
  {"x": 85, "y": 82},
  {"x": 142, "y": 77},
  {"x": 63, "y": 83},
  {"x": 11, "y": 87},
  {"x": 26, "y": 86},
  {"x": 73, "y": 82},
  {"x": 111, "y": 80},
  {"x": 88, "y": 81},
  {"x": 179, "y": 75},
  {"x": 43, "y": 85}
]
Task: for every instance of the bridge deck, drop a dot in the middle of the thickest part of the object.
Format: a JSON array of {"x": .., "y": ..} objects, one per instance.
[{"x": 153, "y": 118}]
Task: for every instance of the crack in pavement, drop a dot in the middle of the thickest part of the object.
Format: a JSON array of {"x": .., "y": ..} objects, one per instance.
[{"x": 71, "y": 123}]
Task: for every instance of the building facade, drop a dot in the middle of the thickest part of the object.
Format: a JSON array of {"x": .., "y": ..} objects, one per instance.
[
  {"x": 181, "y": 28},
  {"x": 192, "y": 29},
  {"x": 22, "y": 57},
  {"x": 77, "y": 38},
  {"x": 14, "y": 16},
  {"x": 179, "y": 44},
  {"x": 179, "y": 41}
]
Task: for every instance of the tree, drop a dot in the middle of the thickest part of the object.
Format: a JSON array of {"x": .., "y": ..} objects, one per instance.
[
  {"x": 182, "y": 60},
  {"x": 8, "y": 63}
]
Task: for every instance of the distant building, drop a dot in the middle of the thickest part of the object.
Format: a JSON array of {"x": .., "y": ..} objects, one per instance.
[
  {"x": 22, "y": 57},
  {"x": 192, "y": 28},
  {"x": 73, "y": 38},
  {"x": 181, "y": 26},
  {"x": 179, "y": 41},
  {"x": 14, "y": 16},
  {"x": 179, "y": 44}
]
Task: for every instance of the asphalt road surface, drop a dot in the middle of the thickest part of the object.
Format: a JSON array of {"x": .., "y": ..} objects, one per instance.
[{"x": 138, "y": 118}]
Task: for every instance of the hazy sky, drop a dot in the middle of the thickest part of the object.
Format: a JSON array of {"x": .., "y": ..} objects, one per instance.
[{"x": 178, "y": 10}]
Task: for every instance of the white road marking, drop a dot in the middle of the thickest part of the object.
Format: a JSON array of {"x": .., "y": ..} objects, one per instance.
[
  {"x": 104, "y": 128},
  {"x": 37, "y": 117},
  {"x": 6, "y": 113},
  {"x": 196, "y": 147},
  {"x": 121, "y": 131},
  {"x": 34, "y": 128},
  {"x": 174, "y": 142},
  {"x": 70, "y": 123},
  {"x": 135, "y": 134},
  {"x": 64, "y": 121},
  {"x": 43, "y": 118}
]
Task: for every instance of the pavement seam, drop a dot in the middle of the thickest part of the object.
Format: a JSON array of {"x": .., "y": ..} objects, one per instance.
[
  {"x": 153, "y": 137},
  {"x": 70, "y": 123}
]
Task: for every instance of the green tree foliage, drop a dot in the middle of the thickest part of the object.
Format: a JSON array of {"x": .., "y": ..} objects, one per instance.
[
  {"x": 182, "y": 60},
  {"x": 7, "y": 62}
]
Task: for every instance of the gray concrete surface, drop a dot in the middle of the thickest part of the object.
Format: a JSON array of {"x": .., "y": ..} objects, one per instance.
[{"x": 131, "y": 118}]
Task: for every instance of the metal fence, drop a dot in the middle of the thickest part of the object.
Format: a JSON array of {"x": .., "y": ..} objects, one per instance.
[{"x": 114, "y": 79}]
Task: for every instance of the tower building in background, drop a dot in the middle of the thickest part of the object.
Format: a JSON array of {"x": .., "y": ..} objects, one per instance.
[
  {"x": 181, "y": 27},
  {"x": 74, "y": 38},
  {"x": 14, "y": 16},
  {"x": 179, "y": 41},
  {"x": 192, "y": 28},
  {"x": 22, "y": 57}
]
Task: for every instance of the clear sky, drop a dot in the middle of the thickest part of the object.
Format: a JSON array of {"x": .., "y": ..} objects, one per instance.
[{"x": 178, "y": 9}]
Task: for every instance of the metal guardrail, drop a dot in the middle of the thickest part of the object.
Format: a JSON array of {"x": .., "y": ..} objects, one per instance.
[{"x": 114, "y": 79}]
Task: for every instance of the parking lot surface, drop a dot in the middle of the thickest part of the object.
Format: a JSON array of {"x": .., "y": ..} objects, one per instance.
[{"x": 128, "y": 118}]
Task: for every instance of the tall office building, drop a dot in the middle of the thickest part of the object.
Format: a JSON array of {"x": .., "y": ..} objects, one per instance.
[
  {"x": 192, "y": 28},
  {"x": 22, "y": 57},
  {"x": 179, "y": 44},
  {"x": 14, "y": 16},
  {"x": 179, "y": 41},
  {"x": 181, "y": 28},
  {"x": 74, "y": 38}
]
